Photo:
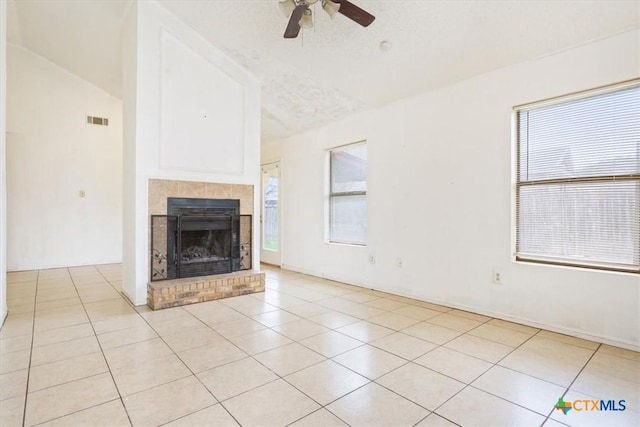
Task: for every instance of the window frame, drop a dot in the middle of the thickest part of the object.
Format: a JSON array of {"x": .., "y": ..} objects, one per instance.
[
  {"x": 518, "y": 183},
  {"x": 331, "y": 195}
]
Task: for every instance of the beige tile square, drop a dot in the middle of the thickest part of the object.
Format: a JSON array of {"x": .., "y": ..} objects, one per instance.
[
  {"x": 213, "y": 312},
  {"x": 432, "y": 333},
  {"x": 118, "y": 322},
  {"x": 214, "y": 415},
  {"x": 480, "y": 348},
  {"x": 48, "y": 320},
  {"x": 17, "y": 343},
  {"x": 211, "y": 356},
  {"x": 369, "y": 361},
  {"x": 469, "y": 315},
  {"x": 326, "y": 381},
  {"x": 159, "y": 316},
  {"x": 320, "y": 418},
  {"x": 454, "y": 364},
  {"x": 363, "y": 311},
  {"x": 393, "y": 321},
  {"x": 402, "y": 345},
  {"x": 12, "y": 411},
  {"x": 17, "y": 324},
  {"x": 126, "y": 336},
  {"x": 421, "y": 385},
  {"x": 177, "y": 326},
  {"x": 64, "y": 350},
  {"x": 373, "y": 405},
  {"x": 62, "y": 303},
  {"x": 360, "y": 297},
  {"x": 308, "y": 310},
  {"x": 193, "y": 338},
  {"x": 416, "y": 312},
  {"x": 168, "y": 402},
  {"x": 13, "y": 384},
  {"x": 152, "y": 373},
  {"x": 69, "y": 333},
  {"x": 578, "y": 342},
  {"x": 273, "y": 404},
  {"x": 500, "y": 335},
  {"x": 289, "y": 358},
  {"x": 235, "y": 378},
  {"x": 110, "y": 414},
  {"x": 248, "y": 305},
  {"x": 386, "y": 304},
  {"x": 121, "y": 357},
  {"x": 626, "y": 418},
  {"x": 300, "y": 329},
  {"x": 519, "y": 388},
  {"x": 365, "y": 331},
  {"x": 66, "y": 370},
  {"x": 542, "y": 367},
  {"x": 275, "y": 318},
  {"x": 14, "y": 361},
  {"x": 471, "y": 406},
  {"x": 605, "y": 377},
  {"x": 331, "y": 343},
  {"x": 515, "y": 326},
  {"x": 435, "y": 420},
  {"x": 620, "y": 352},
  {"x": 558, "y": 350},
  {"x": 456, "y": 323},
  {"x": 432, "y": 306},
  {"x": 54, "y": 402},
  {"x": 238, "y": 327},
  {"x": 260, "y": 341},
  {"x": 333, "y": 319}
]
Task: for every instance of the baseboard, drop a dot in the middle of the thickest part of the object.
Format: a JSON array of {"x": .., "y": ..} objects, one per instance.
[{"x": 629, "y": 345}]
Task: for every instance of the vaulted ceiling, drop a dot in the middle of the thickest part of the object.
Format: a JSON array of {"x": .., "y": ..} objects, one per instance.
[{"x": 338, "y": 68}]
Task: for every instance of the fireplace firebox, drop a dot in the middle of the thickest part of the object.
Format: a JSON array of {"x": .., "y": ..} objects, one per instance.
[{"x": 199, "y": 237}]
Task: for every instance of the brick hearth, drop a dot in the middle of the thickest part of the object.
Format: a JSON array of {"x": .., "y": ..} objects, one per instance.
[{"x": 173, "y": 293}]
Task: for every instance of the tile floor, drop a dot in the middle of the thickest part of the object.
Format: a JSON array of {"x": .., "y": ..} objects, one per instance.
[{"x": 307, "y": 352}]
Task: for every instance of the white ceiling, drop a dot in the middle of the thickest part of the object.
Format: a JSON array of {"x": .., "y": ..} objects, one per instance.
[{"x": 337, "y": 68}]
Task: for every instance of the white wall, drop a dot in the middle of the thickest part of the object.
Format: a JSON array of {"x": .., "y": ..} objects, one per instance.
[
  {"x": 53, "y": 154},
  {"x": 3, "y": 180},
  {"x": 191, "y": 114},
  {"x": 440, "y": 198}
]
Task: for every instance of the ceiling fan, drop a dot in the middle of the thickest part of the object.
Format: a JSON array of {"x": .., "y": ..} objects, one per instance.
[{"x": 301, "y": 16}]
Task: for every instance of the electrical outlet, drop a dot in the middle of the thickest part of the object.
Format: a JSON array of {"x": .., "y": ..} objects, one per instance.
[
  {"x": 399, "y": 262},
  {"x": 497, "y": 277},
  {"x": 372, "y": 259}
]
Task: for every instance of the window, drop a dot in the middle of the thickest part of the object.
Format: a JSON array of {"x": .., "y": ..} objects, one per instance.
[
  {"x": 348, "y": 194},
  {"x": 578, "y": 180}
]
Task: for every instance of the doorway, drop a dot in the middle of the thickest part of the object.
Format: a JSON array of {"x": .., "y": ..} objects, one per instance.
[{"x": 270, "y": 252}]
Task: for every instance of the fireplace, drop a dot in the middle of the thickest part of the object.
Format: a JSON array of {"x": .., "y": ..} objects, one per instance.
[{"x": 199, "y": 237}]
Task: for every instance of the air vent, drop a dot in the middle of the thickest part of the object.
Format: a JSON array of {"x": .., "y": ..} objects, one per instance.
[{"x": 97, "y": 121}]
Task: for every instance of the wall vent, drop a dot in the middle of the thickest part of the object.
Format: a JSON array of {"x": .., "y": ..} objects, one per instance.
[{"x": 97, "y": 121}]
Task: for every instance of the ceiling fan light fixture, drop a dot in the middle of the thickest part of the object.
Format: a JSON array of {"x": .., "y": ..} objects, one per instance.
[
  {"x": 287, "y": 7},
  {"x": 306, "y": 21},
  {"x": 331, "y": 8}
]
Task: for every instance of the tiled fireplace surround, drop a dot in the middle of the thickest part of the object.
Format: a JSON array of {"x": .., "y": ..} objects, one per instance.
[{"x": 172, "y": 293}]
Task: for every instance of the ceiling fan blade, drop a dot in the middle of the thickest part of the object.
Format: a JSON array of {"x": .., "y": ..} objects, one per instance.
[
  {"x": 293, "y": 27},
  {"x": 355, "y": 13}
]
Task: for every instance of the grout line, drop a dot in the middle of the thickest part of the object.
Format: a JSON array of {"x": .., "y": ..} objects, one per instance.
[
  {"x": 33, "y": 333},
  {"x": 574, "y": 380},
  {"x": 95, "y": 335}
]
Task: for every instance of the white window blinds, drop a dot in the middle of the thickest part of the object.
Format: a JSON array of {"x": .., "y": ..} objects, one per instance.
[
  {"x": 348, "y": 195},
  {"x": 578, "y": 181}
]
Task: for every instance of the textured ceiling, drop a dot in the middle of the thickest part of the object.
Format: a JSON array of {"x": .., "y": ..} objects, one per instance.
[{"x": 337, "y": 68}]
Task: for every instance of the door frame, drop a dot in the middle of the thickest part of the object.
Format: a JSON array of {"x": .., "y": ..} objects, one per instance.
[{"x": 269, "y": 256}]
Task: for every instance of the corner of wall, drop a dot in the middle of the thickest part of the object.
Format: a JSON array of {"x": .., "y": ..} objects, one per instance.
[{"x": 3, "y": 181}]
